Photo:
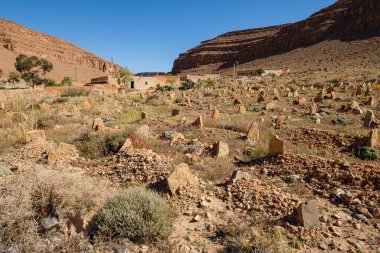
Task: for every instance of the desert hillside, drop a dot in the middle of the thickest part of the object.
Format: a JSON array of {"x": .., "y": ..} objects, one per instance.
[
  {"x": 349, "y": 28},
  {"x": 66, "y": 57}
]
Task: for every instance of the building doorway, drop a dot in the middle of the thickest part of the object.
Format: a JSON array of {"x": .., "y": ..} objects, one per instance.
[{"x": 132, "y": 84}]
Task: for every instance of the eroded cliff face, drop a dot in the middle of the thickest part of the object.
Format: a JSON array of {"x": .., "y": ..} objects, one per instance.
[
  {"x": 344, "y": 20},
  {"x": 21, "y": 40}
]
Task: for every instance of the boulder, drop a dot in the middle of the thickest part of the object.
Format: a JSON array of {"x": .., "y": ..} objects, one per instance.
[
  {"x": 176, "y": 137},
  {"x": 241, "y": 109},
  {"x": 144, "y": 115},
  {"x": 215, "y": 114},
  {"x": 373, "y": 138},
  {"x": 198, "y": 122},
  {"x": 97, "y": 124},
  {"x": 253, "y": 132},
  {"x": 221, "y": 149},
  {"x": 307, "y": 214},
  {"x": 313, "y": 108},
  {"x": 280, "y": 120},
  {"x": 260, "y": 99},
  {"x": 181, "y": 177},
  {"x": 64, "y": 151},
  {"x": 276, "y": 146},
  {"x": 238, "y": 175},
  {"x": 175, "y": 112},
  {"x": 49, "y": 222},
  {"x": 143, "y": 131},
  {"x": 34, "y": 135},
  {"x": 370, "y": 119},
  {"x": 127, "y": 145},
  {"x": 237, "y": 102}
]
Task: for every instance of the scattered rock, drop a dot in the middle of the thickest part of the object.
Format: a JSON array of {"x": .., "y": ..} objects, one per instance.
[
  {"x": 181, "y": 177},
  {"x": 221, "y": 149},
  {"x": 307, "y": 214},
  {"x": 34, "y": 135}
]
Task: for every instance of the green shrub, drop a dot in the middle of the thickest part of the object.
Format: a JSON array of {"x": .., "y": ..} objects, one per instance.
[
  {"x": 96, "y": 146},
  {"x": 366, "y": 153},
  {"x": 51, "y": 83},
  {"x": 187, "y": 85},
  {"x": 260, "y": 71},
  {"x": 67, "y": 81},
  {"x": 137, "y": 214},
  {"x": 340, "y": 121},
  {"x": 324, "y": 111},
  {"x": 164, "y": 88},
  {"x": 74, "y": 91}
]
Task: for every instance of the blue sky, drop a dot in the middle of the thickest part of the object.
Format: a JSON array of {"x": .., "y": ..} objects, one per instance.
[{"x": 147, "y": 35}]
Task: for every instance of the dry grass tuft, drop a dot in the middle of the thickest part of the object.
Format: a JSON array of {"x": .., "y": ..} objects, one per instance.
[
  {"x": 244, "y": 239},
  {"x": 38, "y": 193}
]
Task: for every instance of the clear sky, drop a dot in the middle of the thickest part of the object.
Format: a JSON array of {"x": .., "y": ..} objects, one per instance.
[{"x": 147, "y": 35}]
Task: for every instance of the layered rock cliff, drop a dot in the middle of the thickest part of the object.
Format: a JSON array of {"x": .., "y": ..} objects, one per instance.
[
  {"x": 21, "y": 40},
  {"x": 345, "y": 20}
]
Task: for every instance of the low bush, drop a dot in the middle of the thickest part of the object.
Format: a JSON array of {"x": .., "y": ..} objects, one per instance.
[
  {"x": 74, "y": 92},
  {"x": 52, "y": 83},
  {"x": 366, "y": 153},
  {"x": 100, "y": 145},
  {"x": 67, "y": 81},
  {"x": 137, "y": 214},
  {"x": 239, "y": 238},
  {"x": 340, "y": 121},
  {"x": 164, "y": 88},
  {"x": 187, "y": 85}
]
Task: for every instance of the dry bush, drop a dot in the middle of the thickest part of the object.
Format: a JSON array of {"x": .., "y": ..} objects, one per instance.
[
  {"x": 37, "y": 193},
  {"x": 241, "y": 238},
  {"x": 100, "y": 145}
]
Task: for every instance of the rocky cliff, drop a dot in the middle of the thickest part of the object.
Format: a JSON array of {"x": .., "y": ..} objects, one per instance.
[
  {"x": 19, "y": 39},
  {"x": 346, "y": 20}
]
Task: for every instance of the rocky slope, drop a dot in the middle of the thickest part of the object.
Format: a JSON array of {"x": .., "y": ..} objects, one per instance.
[
  {"x": 17, "y": 39},
  {"x": 345, "y": 21}
]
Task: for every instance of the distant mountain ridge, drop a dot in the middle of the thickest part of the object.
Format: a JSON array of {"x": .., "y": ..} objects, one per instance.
[
  {"x": 21, "y": 40},
  {"x": 344, "y": 20}
]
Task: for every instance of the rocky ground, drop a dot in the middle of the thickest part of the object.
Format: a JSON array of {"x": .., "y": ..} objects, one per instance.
[{"x": 271, "y": 166}]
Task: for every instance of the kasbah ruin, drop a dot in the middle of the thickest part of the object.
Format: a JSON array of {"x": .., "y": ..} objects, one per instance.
[{"x": 267, "y": 148}]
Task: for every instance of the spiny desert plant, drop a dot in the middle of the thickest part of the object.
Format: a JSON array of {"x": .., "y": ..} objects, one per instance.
[{"x": 137, "y": 214}]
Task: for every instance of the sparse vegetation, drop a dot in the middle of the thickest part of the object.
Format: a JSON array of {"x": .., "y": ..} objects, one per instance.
[
  {"x": 67, "y": 81},
  {"x": 75, "y": 92},
  {"x": 137, "y": 214},
  {"x": 124, "y": 76},
  {"x": 42, "y": 193},
  {"x": 100, "y": 145},
  {"x": 340, "y": 121},
  {"x": 260, "y": 71},
  {"x": 164, "y": 88},
  {"x": 366, "y": 153},
  {"x": 13, "y": 78},
  {"x": 187, "y": 85},
  {"x": 242, "y": 239}
]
